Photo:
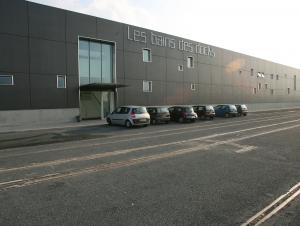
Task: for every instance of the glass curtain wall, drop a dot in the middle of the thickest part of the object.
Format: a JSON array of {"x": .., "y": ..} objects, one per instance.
[{"x": 95, "y": 62}]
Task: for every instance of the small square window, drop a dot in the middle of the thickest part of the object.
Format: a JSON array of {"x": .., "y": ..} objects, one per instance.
[
  {"x": 190, "y": 62},
  {"x": 147, "y": 86},
  {"x": 6, "y": 80},
  {"x": 180, "y": 67},
  {"x": 147, "y": 55},
  {"x": 193, "y": 86},
  {"x": 61, "y": 81}
]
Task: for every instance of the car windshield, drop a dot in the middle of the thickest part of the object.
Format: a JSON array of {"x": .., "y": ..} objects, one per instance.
[
  {"x": 140, "y": 110},
  {"x": 163, "y": 110}
]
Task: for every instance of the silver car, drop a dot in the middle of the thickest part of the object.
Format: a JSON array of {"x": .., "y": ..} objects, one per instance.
[{"x": 129, "y": 116}]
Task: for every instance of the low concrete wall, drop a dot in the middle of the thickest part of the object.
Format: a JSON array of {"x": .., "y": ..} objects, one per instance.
[{"x": 40, "y": 116}]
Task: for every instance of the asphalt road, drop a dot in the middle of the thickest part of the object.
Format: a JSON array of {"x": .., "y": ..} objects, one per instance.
[{"x": 219, "y": 172}]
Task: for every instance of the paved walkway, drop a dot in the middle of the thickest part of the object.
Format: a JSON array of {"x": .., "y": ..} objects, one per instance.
[{"x": 44, "y": 126}]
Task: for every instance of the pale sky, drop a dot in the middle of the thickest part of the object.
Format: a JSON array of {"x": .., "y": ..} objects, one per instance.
[{"x": 268, "y": 29}]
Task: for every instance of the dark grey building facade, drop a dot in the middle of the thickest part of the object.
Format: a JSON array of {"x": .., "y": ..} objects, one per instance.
[{"x": 57, "y": 64}]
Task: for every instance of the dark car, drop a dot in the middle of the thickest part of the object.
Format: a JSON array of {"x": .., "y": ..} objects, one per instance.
[
  {"x": 182, "y": 114},
  {"x": 205, "y": 111},
  {"x": 241, "y": 109},
  {"x": 225, "y": 110},
  {"x": 159, "y": 114}
]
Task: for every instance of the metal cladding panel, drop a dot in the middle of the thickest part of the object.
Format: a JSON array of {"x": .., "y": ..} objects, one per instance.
[
  {"x": 156, "y": 70},
  {"x": 47, "y": 22},
  {"x": 16, "y": 96},
  {"x": 173, "y": 74},
  {"x": 111, "y": 31},
  {"x": 13, "y": 17},
  {"x": 204, "y": 71},
  {"x": 72, "y": 59},
  {"x": 134, "y": 93},
  {"x": 134, "y": 66},
  {"x": 158, "y": 94},
  {"x": 13, "y": 54},
  {"x": 174, "y": 93},
  {"x": 72, "y": 91},
  {"x": 47, "y": 57},
  {"x": 80, "y": 25},
  {"x": 45, "y": 94}
]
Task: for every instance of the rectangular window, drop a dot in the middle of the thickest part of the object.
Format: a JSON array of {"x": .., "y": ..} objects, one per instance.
[
  {"x": 193, "y": 86},
  {"x": 259, "y": 86},
  {"x": 6, "y": 80},
  {"x": 254, "y": 90},
  {"x": 190, "y": 62},
  {"x": 61, "y": 81},
  {"x": 272, "y": 91},
  {"x": 147, "y": 55},
  {"x": 277, "y": 77},
  {"x": 147, "y": 86},
  {"x": 96, "y": 61},
  {"x": 266, "y": 86},
  {"x": 252, "y": 72},
  {"x": 180, "y": 67},
  {"x": 271, "y": 76},
  {"x": 288, "y": 90},
  {"x": 295, "y": 85}
]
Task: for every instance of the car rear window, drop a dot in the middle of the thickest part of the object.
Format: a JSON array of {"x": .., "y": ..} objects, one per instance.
[
  {"x": 209, "y": 108},
  {"x": 162, "y": 110},
  {"x": 140, "y": 110},
  {"x": 189, "y": 110},
  {"x": 244, "y": 106},
  {"x": 232, "y": 107}
]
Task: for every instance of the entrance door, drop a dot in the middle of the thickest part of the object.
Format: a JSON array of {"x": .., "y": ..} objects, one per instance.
[{"x": 96, "y": 104}]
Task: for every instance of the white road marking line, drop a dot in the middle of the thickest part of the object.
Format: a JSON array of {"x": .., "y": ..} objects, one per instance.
[
  {"x": 245, "y": 149},
  {"x": 118, "y": 152},
  {"x": 124, "y": 140},
  {"x": 155, "y": 132},
  {"x": 274, "y": 207},
  {"x": 130, "y": 162}
]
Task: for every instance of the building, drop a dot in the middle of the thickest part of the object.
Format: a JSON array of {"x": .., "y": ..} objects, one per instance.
[{"x": 56, "y": 65}]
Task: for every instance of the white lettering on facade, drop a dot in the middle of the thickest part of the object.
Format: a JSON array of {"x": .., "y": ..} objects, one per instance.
[{"x": 164, "y": 41}]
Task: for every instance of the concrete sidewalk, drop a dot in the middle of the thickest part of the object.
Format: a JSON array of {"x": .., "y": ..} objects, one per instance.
[{"x": 45, "y": 126}]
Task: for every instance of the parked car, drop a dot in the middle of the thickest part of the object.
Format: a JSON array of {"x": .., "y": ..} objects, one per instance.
[
  {"x": 158, "y": 114},
  {"x": 182, "y": 114},
  {"x": 205, "y": 111},
  {"x": 241, "y": 109},
  {"x": 225, "y": 110},
  {"x": 129, "y": 116}
]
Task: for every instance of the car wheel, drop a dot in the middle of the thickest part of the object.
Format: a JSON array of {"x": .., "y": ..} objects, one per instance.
[
  {"x": 193, "y": 120},
  {"x": 128, "y": 124},
  {"x": 211, "y": 118},
  {"x": 167, "y": 122},
  {"x": 180, "y": 120},
  {"x": 226, "y": 115},
  {"x": 245, "y": 114},
  {"x": 108, "y": 121},
  {"x": 145, "y": 125}
]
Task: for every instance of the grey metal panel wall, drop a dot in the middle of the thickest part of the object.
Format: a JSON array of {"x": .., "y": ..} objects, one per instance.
[{"x": 39, "y": 42}]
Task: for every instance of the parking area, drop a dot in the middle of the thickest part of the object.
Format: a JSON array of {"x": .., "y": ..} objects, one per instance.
[{"x": 214, "y": 172}]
